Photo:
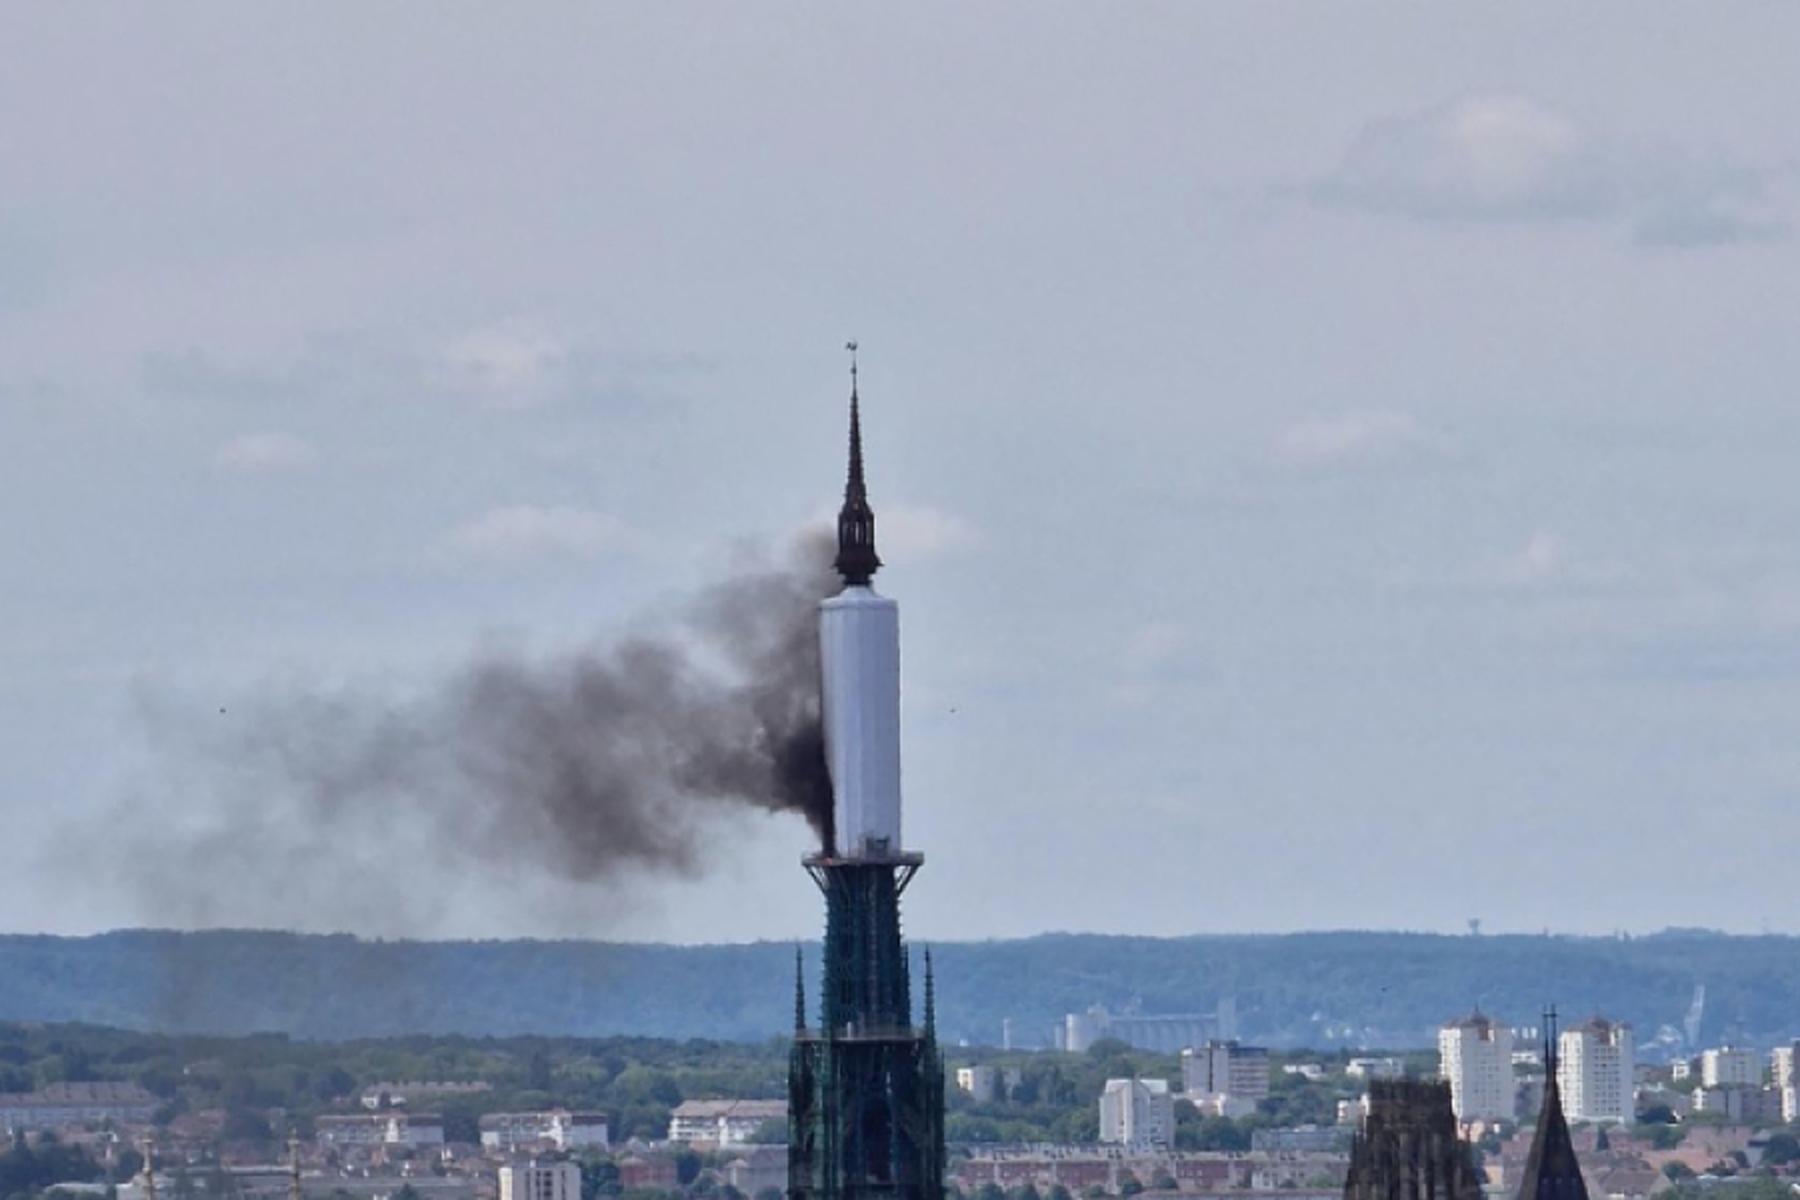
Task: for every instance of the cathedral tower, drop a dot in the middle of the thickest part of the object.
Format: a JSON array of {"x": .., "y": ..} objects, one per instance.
[{"x": 865, "y": 1085}]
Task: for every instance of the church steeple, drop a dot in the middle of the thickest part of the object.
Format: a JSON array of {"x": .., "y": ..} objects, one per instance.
[
  {"x": 1551, "y": 1171},
  {"x": 856, "y": 560}
]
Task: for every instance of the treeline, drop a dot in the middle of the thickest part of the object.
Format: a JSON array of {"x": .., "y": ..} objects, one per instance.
[
  {"x": 636, "y": 1082},
  {"x": 1315, "y": 989},
  {"x": 28, "y": 1166}
]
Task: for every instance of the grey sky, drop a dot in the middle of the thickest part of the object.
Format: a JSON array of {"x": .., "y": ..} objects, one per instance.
[{"x": 1336, "y": 462}]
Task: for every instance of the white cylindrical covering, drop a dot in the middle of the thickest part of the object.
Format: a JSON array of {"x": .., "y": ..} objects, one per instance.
[{"x": 859, "y": 651}]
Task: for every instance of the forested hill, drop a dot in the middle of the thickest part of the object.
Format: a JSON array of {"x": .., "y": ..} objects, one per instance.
[{"x": 1300, "y": 989}]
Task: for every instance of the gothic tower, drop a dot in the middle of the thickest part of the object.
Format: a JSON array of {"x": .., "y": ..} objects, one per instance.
[
  {"x": 1408, "y": 1147},
  {"x": 865, "y": 1085}
]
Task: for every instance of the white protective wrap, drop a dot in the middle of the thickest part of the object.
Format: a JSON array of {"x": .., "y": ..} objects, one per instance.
[{"x": 859, "y": 653}]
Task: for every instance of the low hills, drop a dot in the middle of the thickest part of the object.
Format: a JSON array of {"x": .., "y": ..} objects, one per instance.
[{"x": 1306, "y": 989}]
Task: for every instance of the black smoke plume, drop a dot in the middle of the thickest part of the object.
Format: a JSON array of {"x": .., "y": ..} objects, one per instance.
[{"x": 592, "y": 766}]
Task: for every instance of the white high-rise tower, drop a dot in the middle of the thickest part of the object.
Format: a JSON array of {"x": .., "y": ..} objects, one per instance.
[
  {"x": 1475, "y": 1057},
  {"x": 1594, "y": 1071}
]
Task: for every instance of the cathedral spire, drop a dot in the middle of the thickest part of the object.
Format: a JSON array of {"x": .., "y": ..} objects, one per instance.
[
  {"x": 856, "y": 560},
  {"x": 1551, "y": 1171}
]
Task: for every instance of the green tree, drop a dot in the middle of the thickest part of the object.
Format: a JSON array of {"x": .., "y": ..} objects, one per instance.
[
  {"x": 599, "y": 1177},
  {"x": 245, "y": 1125},
  {"x": 1781, "y": 1148},
  {"x": 1130, "y": 1184}
]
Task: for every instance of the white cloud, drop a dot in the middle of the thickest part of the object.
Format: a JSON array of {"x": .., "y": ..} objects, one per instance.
[
  {"x": 527, "y": 531},
  {"x": 258, "y": 453},
  {"x": 1511, "y": 158},
  {"x": 1360, "y": 436}
]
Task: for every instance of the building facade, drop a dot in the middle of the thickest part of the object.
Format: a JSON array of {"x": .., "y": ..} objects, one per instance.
[
  {"x": 723, "y": 1122},
  {"x": 979, "y": 1083},
  {"x": 1219, "y": 1073},
  {"x": 61, "y": 1104},
  {"x": 1595, "y": 1064},
  {"x": 1781, "y": 1064},
  {"x": 1475, "y": 1057},
  {"x": 560, "y": 1128},
  {"x": 540, "y": 1181},
  {"x": 1138, "y": 1113},
  {"x": 1729, "y": 1066},
  {"x": 1740, "y": 1103},
  {"x": 395, "y": 1128}
]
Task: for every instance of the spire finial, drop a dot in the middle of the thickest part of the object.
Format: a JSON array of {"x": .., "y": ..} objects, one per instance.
[{"x": 856, "y": 560}]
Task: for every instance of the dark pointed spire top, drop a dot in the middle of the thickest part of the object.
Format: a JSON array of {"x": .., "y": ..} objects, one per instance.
[
  {"x": 799, "y": 990},
  {"x": 856, "y": 560},
  {"x": 1551, "y": 1170}
]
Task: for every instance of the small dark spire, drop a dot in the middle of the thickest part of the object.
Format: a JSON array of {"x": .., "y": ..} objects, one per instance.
[
  {"x": 856, "y": 560},
  {"x": 1551, "y": 1170},
  {"x": 799, "y": 990}
]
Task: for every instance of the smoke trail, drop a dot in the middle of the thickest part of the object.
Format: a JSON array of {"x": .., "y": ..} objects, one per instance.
[{"x": 590, "y": 767}]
